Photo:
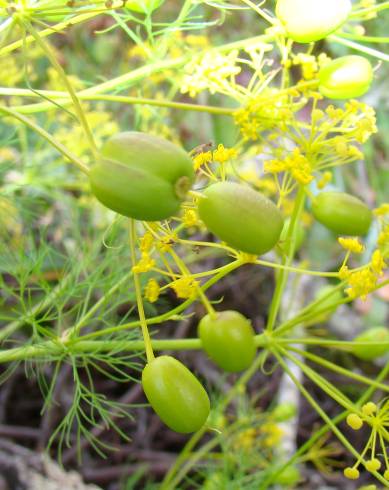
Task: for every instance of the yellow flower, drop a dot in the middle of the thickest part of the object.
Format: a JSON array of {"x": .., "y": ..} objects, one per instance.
[
  {"x": 296, "y": 163},
  {"x": 166, "y": 242},
  {"x": 377, "y": 263},
  {"x": 361, "y": 283},
  {"x": 351, "y": 473},
  {"x": 146, "y": 242},
  {"x": 144, "y": 265},
  {"x": 382, "y": 210},
  {"x": 326, "y": 178},
  {"x": 152, "y": 291},
  {"x": 185, "y": 287},
  {"x": 354, "y": 421},
  {"x": 377, "y": 417},
  {"x": 351, "y": 244},
  {"x": 202, "y": 159},
  {"x": 190, "y": 218},
  {"x": 223, "y": 154}
]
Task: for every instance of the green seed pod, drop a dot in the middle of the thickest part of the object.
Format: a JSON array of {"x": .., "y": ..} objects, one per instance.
[
  {"x": 175, "y": 394},
  {"x": 346, "y": 77},
  {"x": 228, "y": 339},
  {"x": 342, "y": 213},
  {"x": 370, "y": 352},
  {"x": 310, "y": 20},
  {"x": 142, "y": 176},
  {"x": 285, "y": 411},
  {"x": 241, "y": 216}
]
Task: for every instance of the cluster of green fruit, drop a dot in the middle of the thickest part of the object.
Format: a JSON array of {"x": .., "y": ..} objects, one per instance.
[{"x": 145, "y": 177}]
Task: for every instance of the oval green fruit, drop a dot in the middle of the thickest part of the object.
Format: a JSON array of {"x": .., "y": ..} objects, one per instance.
[
  {"x": 175, "y": 394},
  {"x": 141, "y": 176},
  {"x": 310, "y": 20},
  {"x": 342, "y": 213},
  {"x": 346, "y": 77},
  {"x": 241, "y": 216},
  {"x": 370, "y": 352},
  {"x": 229, "y": 340}
]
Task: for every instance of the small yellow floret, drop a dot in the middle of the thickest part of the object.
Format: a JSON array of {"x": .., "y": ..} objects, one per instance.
[
  {"x": 373, "y": 465},
  {"x": 354, "y": 421},
  {"x": 369, "y": 408},
  {"x": 351, "y": 244},
  {"x": 351, "y": 473}
]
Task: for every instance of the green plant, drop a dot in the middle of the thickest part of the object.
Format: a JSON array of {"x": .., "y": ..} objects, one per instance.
[{"x": 85, "y": 289}]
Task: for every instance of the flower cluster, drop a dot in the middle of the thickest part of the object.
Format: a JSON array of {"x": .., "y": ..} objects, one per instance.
[
  {"x": 212, "y": 72},
  {"x": 185, "y": 287},
  {"x": 220, "y": 155},
  {"x": 268, "y": 111},
  {"x": 351, "y": 244},
  {"x": 377, "y": 417},
  {"x": 362, "y": 282},
  {"x": 296, "y": 163}
]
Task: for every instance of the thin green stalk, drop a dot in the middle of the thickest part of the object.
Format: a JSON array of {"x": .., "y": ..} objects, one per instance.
[
  {"x": 170, "y": 315},
  {"x": 338, "y": 369},
  {"x": 47, "y": 49},
  {"x": 10, "y": 328},
  {"x": 282, "y": 275},
  {"x": 359, "y": 47},
  {"x": 58, "y": 146},
  {"x": 33, "y": 108},
  {"x": 138, "y": 292},
  {"x": 323, "y": 430},
  {"x": 324, "y": 416}
]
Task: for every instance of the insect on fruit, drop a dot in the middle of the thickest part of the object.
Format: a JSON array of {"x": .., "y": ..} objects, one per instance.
[
  {"x": 310, "y": 20},
  {"x": 342, "y": 213},
  {"x": 175, "y": 394},
  {"x": 228, "y": 339},
  {"x": 345, "y": 77},
  {"x": 241, "y": 216},
  {"x": 141, "y": 176}
]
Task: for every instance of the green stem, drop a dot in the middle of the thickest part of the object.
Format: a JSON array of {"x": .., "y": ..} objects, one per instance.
[
  {"x": 323, "y": 430},
  {"x": 170, "y": 315},
  {"x": 138, "y": 292},
  {"x": 58, "y": 146},
  {"x": 282, "y": 276},
  {"x": 359, "y": 47},
  {"x": 338, "y": 369},
  {"x": 323, "y": 415},
  {"x": 33, "y": 108},
  {"x": 47, "y": 49}
]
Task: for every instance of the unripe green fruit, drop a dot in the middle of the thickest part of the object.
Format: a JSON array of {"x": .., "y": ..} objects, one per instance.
[
  {"x": 143, "y": 6},
  {"x": 175, "y": 394},
  {"x": 241, "y": 216},
  {"x": 285, "y": 411},
  {"x": 142, "y": 176},
  {"x": 345, "y": 77},
  {"x": 228, "y": 339},
  {"x": 342, "y": 213},
  {"x": 310, "y": 20},
  {"x": 370, "y": 352}
]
